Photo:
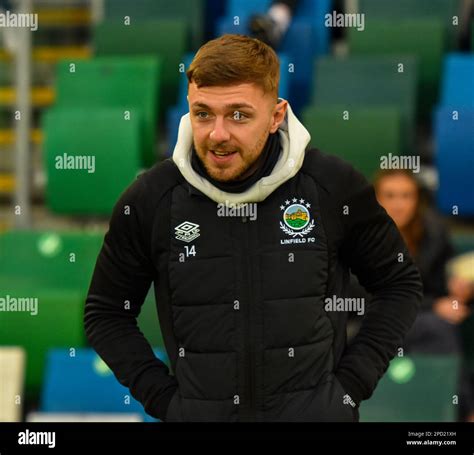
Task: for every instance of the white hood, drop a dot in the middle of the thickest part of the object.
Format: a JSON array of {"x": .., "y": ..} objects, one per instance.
[{"x": 294, "y": 138}]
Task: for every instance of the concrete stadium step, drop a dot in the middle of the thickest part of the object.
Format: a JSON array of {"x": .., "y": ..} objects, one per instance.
[
  {"x": 7, "y": 136},
  {"x": 41, "y": 96},
  {"x": 51, "y": 54}
]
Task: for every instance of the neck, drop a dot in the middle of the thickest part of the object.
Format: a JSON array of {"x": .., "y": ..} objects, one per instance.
[{"x": 262, "y": 167}]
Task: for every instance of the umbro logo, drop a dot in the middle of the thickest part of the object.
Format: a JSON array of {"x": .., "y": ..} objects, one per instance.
[{"x": 187, "y": 231}]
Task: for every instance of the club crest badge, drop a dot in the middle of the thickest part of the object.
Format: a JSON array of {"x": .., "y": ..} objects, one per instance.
[{"x": 296, "y": 220}]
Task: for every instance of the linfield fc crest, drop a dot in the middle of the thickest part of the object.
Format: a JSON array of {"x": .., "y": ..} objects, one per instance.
[
  {"x": 296, "y": 221},
  {"x": 187, "y": 231}
]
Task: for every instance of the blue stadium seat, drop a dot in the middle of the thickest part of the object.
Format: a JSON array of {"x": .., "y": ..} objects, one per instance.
[
  {"x": 183, "y": 81},
  {"x": 297, "y": 45},
  {"x": 455, "y": 159},
  {"x": 312, "y": 10},
  {"x": 301, "y": 53},
  {"x": 173, "y": 117},
  {"x": 316, "y": 10},
  {"x": 245, "y": 8},
  {"x": 174, "y": 113},
  {"x": 84, "y": 383},
  {"x": 306, "y": 39},
  {"x": 458, "y": 81}
]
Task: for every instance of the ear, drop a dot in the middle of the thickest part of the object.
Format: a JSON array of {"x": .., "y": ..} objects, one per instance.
[{"x": 279, "y": 113}]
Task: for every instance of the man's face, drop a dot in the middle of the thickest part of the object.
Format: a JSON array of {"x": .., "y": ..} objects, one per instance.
[{"x": 231, "y": 126}]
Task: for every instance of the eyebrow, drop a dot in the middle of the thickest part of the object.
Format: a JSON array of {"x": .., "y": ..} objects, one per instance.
[{"x": 227, "y": 106}]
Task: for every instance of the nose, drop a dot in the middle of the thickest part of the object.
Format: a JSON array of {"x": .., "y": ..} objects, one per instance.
[{"x": 219, "y": 133}]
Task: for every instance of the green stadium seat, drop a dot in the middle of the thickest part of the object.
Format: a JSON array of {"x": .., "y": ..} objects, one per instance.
[
  {"x": 415, "y": 388},
  {"x": 12, "y": 374},
  {"x": 48, "y": 259},
  {"x": 167, "y": 39},
  {"x": 5, "y": 119},
  {"x": 131, "y": 83},
  {"x": 5, "y": 74},
  {"x": 90, "y": 156},
  {"x": 360, "y": 81},
  {"x": 191, "y": 11},
  {"x": 54, "y": 270},
  {"x": 369, "y": 133},
  {"x": 58, "y": 323},
  {"x": 443, "y": 10},
  {"x": 424, "y": 38}
]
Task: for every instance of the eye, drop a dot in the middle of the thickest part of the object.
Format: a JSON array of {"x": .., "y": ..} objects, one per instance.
[
  {"x": 199, "y": 116},
  {"x": 237, "y": 115}
]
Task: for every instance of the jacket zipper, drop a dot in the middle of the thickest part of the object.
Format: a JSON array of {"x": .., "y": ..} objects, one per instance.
[{"x": 248, "y": 320}]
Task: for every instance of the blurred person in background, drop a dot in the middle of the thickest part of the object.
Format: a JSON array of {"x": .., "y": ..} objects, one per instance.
[
  {"x": 435, "y": 330},
  {"x": 446, "y": 299},
  {"x": 272, "y": 26}
]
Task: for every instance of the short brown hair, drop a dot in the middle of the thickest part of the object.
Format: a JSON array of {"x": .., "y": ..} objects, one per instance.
[{"x": 236, "y": 59}]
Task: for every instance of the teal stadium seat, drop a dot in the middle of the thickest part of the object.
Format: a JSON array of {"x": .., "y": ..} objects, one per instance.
[
  {"x": 167, "y": 39},
  {"x": 368, "y": 134},
  {"x": 443, "y": 10},
  {"x": 416, "y": 388},
  {"x": 370, "y": 81},
  {"x": 190, "y": 11},
  {"x": 424, "y": 38}
]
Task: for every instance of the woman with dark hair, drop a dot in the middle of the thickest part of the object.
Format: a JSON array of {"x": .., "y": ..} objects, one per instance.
[{"x": 445, "y": 300}]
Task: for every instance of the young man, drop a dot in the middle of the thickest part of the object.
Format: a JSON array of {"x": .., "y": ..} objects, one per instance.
[{"x": 248, "y": 236}]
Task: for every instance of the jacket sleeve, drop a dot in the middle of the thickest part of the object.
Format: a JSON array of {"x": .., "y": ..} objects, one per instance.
[
  {"x": 437, "y": 251},
  {"x": 375, "y": 252},
  {"x": 121, "y": 280}
]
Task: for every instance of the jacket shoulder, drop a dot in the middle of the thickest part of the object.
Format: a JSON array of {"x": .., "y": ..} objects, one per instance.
[
  {"x": 335, "y": 175},
  {"x": 146, "y": 191},
  {"x": 161, "y": 177}
]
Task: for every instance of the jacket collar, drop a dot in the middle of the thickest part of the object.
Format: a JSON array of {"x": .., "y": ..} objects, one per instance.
[{"x": 294, "y": 138}]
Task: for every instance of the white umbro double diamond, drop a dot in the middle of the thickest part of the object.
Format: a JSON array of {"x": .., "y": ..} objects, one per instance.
[{"x": 187, "y": 231}]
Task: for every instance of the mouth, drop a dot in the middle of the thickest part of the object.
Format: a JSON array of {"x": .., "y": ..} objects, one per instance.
[
  {"x": 222, "y": 157},
  {"x": 222, "y": 153}
]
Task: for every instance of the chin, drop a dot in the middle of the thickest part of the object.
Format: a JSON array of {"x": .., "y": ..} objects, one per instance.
[
  {"x": 223, "y": 178},
  {"x": 223, "y": 174}
]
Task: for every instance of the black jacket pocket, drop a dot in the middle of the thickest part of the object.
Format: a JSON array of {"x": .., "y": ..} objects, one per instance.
[{"x": 173, "y": 413}]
